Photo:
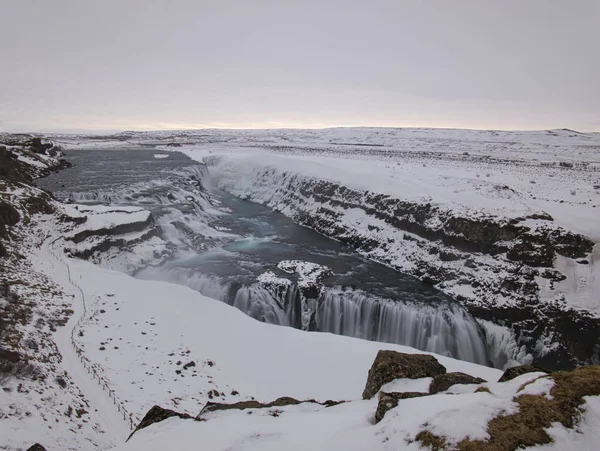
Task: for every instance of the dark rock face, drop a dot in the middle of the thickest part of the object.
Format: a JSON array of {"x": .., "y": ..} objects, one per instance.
[
  {"x": 444, "y": 381},
  {"x": 137, "y": 226},
  {"x": 516, "y": 371},
  {"x": 18, "y": 171},
  {"x": 388, "y": 401},
  {"x": 576, "y": 333},
  {"x": 9, "y": 216},
  {"x": 279, "y": 402},
  {"x": 520, "y": 252},
  {"x": 120, "y": 243},
  {"x": 36, "y": 447},
  {"x": 390, "y": 365},
  {"x": 157, "y": 414},
  {"x": 13, "y": 169}
]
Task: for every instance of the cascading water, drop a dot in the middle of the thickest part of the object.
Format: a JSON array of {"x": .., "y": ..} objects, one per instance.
[{"x": 443, "y": 328}]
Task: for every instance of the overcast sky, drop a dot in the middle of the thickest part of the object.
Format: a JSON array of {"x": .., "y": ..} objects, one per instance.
[{"x": 144, "y": 64}]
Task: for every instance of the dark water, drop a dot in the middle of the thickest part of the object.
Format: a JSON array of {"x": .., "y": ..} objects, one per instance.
[{"x": 235, "y": 241}]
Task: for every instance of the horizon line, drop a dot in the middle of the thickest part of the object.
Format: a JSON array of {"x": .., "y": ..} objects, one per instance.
[{"x": 213, "y": 128}]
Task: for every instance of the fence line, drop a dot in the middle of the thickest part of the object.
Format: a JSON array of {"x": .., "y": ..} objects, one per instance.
[{"x": 89, "y": 366}]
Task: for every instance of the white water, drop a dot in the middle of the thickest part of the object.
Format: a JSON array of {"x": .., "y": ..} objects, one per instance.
[{"x": 441, "y": 328}]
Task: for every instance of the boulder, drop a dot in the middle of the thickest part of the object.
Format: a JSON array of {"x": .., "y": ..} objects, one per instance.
[
  {"x": 390, "y": 365},
  {"x": 516, "y": 371},
  {"x": 157, "y": 414},
  {"x": 387, "y": 401},
  {"x": 36, "y": 447},
  {"x": 444, "y": 381}
]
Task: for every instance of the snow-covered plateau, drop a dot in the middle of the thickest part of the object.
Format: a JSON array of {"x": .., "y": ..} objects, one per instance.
[{"x": 504, "y": 222}]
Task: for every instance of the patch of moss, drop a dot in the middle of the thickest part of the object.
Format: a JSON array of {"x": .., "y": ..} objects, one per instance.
[
  {"x": 482, "y": 389},
  {"x": 434, "y": 442},
  {"x": 536, "y": 413}
]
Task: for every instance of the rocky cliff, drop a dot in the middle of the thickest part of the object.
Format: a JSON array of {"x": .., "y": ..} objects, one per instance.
[{"x": 504, "y": 271}]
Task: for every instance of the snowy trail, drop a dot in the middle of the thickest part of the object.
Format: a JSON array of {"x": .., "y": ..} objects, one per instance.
[{"x": 112, "y": 421}]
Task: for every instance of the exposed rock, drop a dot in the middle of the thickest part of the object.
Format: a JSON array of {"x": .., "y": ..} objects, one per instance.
[
  {"x": 157, "y": 414},
  {"x": 388, "y": 401},
  {"x": 390, "y": 365},
  {"x": 516, "y": 371},
  {"x": 120, "y": 229},
  {"x": 9, "y": 216},
  {"x": 253, "y": 404},
  {"x": 517, "y": 251},
  {"x": 189, "y": 365},
  {"x": 36, "y": 447},
  {"x": 9, "y": 356},
  {"x": 444, "y": 381},
  {"x": 532, "y": 254}
]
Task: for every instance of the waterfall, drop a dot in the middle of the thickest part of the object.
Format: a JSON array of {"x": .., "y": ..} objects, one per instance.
[
  {"x": 502, "y": 347},
  {"x": 443, "y": 327},
  {"x": 254, "y": 300},
  {"x": 258, "y": 303}
]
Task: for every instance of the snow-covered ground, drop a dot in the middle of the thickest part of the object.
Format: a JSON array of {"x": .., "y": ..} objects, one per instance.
[
  {"x": 350, "y": 426},
  {"x": 122, "y": 344},
  {"x": 130, "y": 344},
  {"x": 155, "y": 343}
]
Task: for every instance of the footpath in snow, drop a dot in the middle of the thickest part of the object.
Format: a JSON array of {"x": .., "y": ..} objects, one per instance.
[{"x": 115, "y": 421}]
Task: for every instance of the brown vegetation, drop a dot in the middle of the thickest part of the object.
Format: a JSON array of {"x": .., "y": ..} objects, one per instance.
[{"x": 536, "y": 413}]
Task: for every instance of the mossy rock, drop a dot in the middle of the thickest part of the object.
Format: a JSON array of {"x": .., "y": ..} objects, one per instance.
[
  {"x": 536, "y": 413},
  {"x": 390, "y": 365},
  {"x": 388, "y": 401},
  {"x": 516, "y": 371},
  {"x": 444, "y": 381}
]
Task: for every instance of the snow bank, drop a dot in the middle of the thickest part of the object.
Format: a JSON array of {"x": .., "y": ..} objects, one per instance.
[{"x": 349, "y": 426}]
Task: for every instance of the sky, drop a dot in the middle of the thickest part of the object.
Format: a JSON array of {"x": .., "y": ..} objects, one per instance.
[{"x": 108, "y": 65}]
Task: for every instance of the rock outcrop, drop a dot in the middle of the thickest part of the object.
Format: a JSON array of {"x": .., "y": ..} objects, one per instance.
[
  {"x": 36, "y": 447},
  {"x": 390, "y": 365},
  {"x": 389, "y": 401},
  {"x": 529, "y": 425},
  {"x": 444, "y": 381},
  {"x": 516, "y": 371},
  {"x": 253, "y": 404},
  {"x": 157, "y": 414}
]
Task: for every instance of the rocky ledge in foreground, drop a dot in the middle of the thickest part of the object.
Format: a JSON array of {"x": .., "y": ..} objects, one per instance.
[{"x": 523, "y": 409}]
